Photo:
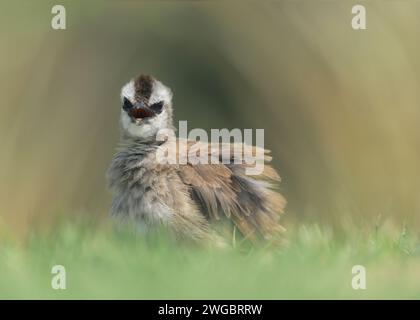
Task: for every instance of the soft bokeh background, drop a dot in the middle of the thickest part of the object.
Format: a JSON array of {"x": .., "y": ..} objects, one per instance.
[{"x": 340, "y": 108}]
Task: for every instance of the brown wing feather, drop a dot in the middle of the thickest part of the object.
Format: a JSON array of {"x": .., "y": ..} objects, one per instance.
[{"x": 249, "y": 201}]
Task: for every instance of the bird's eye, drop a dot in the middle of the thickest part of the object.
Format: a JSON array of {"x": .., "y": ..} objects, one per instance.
[
  {"x": 127, "y": 105},
  {"x": 157, "y": 107}
]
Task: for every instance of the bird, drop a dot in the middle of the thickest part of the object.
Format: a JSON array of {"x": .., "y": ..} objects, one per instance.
[{"x": 202, "y": 203}]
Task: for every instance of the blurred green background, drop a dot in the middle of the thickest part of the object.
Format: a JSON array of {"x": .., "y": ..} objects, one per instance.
[{"x": 340, "y": 107}]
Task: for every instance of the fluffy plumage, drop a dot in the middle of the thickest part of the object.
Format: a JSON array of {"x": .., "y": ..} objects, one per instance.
[{"x": 191, "y": 200}]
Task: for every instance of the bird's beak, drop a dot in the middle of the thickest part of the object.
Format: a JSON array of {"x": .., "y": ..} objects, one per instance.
[{"x": 140, "y": 111}]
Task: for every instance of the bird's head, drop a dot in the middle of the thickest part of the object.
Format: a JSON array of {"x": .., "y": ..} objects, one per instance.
[{"x": 146, "y": 107}]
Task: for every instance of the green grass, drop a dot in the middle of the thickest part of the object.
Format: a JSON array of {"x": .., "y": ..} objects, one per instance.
[{"x": 316, "y": 264}]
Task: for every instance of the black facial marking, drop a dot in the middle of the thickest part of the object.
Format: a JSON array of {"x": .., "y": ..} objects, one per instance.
[
  {"x": 143, "y": 86},
  {"x": 127, "y": 105},
  {"x": 157, "y": 107}
]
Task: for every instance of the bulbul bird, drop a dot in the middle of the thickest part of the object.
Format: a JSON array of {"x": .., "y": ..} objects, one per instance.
[{"x": 193, "y": 201}]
